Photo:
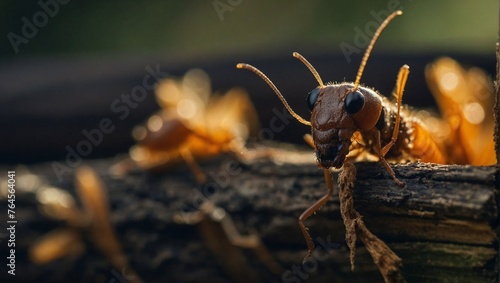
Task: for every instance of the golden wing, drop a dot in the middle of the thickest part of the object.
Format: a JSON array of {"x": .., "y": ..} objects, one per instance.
[
  {"x": 465, "y": 99},
  {"x": 185, "y": 99},
  {"x": 231, "y": 116}
]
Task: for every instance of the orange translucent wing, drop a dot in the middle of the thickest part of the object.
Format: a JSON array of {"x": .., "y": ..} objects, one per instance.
[
  {"x": 59, "y": 204},
  {"x": 232, "y": 116},
  {"x": 91, "y": 191},
  {"x": 168, "y": 93},
  {"x": 56, "y": 245},
  {"x": 195, "y": 85},
  {"x": 185, "y": 99},
  {"x": 465, "y": 99}
]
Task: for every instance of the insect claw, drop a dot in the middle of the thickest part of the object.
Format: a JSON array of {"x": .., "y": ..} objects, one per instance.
[
  {"x": 309, "y": 253},
  {"x": 400, "y": 183}
]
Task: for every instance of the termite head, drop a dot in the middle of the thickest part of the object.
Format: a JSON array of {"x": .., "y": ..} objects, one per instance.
[{"x": 337, "y": 111}]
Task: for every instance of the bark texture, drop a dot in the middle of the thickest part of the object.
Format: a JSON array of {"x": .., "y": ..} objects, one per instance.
[{"x": 443, "y": 224}]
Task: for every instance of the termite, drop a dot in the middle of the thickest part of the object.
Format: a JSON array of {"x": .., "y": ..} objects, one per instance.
[
  {"x": 192, "y": 125},
  {"x": 348, "y": 120},
  {"x": 465, "y": 97},
  {"x": 91, "y": 220}
]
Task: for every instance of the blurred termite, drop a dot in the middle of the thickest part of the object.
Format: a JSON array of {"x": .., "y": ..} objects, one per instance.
[
  {"x": 350, "y": 121},
  {"x": 92, "y": 219},
  {"x": 193, "y": 125},
  {"x": 222, "y": 237},
  {"x": 465, "y": 98}
]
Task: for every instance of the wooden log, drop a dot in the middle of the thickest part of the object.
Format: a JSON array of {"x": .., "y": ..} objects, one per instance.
[
  {"x": 496, "y": 109},
  {"x": 442, "y": 224}
]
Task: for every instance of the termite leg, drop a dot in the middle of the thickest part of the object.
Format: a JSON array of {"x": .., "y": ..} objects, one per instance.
[
  {"x": 195, "y": 168},
  {"x": 309, "y": 140},
  {"x": 248, "y": 155},
  {"x": 386, "y": 164},
  {"x": 400, "y": 86},
  {"x": 312, "y": 209}
]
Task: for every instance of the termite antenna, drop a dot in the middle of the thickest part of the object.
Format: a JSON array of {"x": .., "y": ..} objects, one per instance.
[
  {"x": 278, "y": 93},
  {"x": 310, "y": 67},
  {"x": 372, "y": 43}
]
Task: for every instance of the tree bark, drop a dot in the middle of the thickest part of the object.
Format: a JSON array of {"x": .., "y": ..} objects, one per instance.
[
  {"x": 443, "y": 224},
  {"x": 497, "y": 93}
]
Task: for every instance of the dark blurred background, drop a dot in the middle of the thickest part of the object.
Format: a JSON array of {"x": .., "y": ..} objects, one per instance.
[
  {"x": 63, "y": 63},
  {"x": 96, "y": 28}
]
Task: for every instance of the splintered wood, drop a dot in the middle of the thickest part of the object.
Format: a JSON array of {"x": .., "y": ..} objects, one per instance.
[{"x": 385, "y": 259}]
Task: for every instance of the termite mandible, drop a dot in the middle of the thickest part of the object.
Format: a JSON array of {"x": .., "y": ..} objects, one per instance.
[{"x": 347, "y": 118}]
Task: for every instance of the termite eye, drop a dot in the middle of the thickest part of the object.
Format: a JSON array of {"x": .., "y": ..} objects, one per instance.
[
  {"x": 354, "y": 102},
  {"x": 312, "y": 96}
]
